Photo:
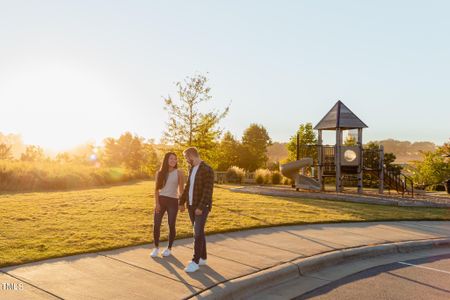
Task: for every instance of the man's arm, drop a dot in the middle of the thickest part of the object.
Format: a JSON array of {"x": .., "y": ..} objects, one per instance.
[
  {"x": 180, "y": 182},
  {"x": 208, "y": 185}
]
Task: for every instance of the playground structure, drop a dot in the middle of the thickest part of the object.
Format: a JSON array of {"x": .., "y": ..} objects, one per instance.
[
  {"x": 341, "y": 162},
  {"x": 291, "y": 170}
]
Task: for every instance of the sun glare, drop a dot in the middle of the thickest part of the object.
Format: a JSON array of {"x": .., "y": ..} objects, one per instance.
[{"x": 56, "y": 106}]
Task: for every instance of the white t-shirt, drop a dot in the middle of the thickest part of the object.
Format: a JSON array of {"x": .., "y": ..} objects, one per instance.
[
  {"x": 170, "y": 189},
  {"x": 191, "y": 184}
]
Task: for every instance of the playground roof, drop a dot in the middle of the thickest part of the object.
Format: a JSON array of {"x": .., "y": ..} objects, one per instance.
[{"x": 340, "y": 116}]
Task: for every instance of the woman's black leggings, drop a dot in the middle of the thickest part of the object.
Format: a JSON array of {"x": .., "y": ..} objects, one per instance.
[{"x": 171, "y": 206}]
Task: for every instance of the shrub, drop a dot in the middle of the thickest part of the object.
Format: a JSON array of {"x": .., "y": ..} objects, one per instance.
[
  {"x": 273, "y": 166},
  {"x": 235, "y": 174},
  {"x": 276, "y": 177},
  {"x": 47, "y": 175},
  {"x": 263, "y": 176},
  {"x": 287, "y": 181},
  {"x": 439, "y": 187}
]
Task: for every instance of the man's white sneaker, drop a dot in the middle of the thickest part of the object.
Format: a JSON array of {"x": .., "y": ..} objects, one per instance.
[
  {"x": 166, "y": 252},
  {"x": 202, "y": 262},
  {"x": 155, "y": 252},
  {"x": 191, "y": 267}
]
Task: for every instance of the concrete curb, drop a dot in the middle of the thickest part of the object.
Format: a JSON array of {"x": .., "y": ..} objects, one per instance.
[
  {"x": 367, "y": 199},
  {"x": 243, "y": 287}
]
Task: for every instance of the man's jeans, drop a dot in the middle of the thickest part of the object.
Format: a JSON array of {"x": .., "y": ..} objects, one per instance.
[{"x": 198, "y": 222}]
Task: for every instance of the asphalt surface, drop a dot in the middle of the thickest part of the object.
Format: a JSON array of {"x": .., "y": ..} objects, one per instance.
[{"x": 425, "y": 278}]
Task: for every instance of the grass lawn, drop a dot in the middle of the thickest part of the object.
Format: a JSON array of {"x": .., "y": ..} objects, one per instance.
[{"x": 36, "y": 226}]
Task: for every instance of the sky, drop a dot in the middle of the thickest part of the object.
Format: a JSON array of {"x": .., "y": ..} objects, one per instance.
[{"x": 78, "y": 71}]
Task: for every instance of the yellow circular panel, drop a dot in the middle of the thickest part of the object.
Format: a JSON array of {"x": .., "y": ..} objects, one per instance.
[{"x": 349, "y": 155}]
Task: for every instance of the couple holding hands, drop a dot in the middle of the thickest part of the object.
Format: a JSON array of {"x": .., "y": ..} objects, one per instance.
[{"x": 172, "y": 195}]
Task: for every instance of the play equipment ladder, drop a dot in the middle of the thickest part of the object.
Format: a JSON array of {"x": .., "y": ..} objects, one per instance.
[{"x": 396, "y": 181}]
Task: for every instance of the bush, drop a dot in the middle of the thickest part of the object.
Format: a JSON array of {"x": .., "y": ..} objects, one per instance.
[
  {"x": 287, "y": 181},
  {"x": 439, "y": 187},
  {"x": 276, "y": 177},
  {"x": 263, "y": 176},
  {"x": 433, "y": 169},
  {"x": 259, "y": 179},
  {"x": 273, "y": 166},
  {"x": 47, "y": 175},
  {"x": 235, "y": 174}
]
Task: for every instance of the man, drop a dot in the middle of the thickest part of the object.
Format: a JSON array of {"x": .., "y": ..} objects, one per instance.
[{"x": 197, "y": 195}]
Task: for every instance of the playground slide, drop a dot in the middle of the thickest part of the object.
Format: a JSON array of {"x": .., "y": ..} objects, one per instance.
[
  {"x": 291, "y": 170},
  {"x": 307, "y": 183}
]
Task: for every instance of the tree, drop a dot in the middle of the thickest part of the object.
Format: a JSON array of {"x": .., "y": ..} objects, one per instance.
[
  {"x": 187, "y": 126},
  {"x": 150, "y": 162},
  {"x": 350, "y": 140},
  {"x": 85, "y": 154},
  {"x": 112, "y": 154},
  {"x": 132, "y": 149},
  {"x": 33, "y": 153},
  {"x": 255, "y": 141},
  {"x": 307, "y": 137},
  {"x": 444, "y": 150},
  {"x": 127, "y": 150},
  {"x": 371, "y": 161},
  {"x": 389, "y": 159},
  {"x": 5, "y": 152},
  {"x": 228, "y": 152},
  {"x": 63, "y": 157},
  {"x": 15, "y": 141},
  {"x": 434, "y": 169}
]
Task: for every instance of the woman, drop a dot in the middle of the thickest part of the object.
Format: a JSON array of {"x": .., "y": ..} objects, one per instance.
[{"x": 169, "y": 185}]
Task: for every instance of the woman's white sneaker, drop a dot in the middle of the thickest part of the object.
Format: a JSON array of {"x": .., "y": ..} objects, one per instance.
[
  {"x": 155, "y": 252},
  {"x": 191, "y": 267},
  {"x": 202, "y": 262},
  {"x": 166, "y": 252}
]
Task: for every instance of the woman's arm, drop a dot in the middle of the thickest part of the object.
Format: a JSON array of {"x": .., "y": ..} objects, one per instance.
[{"x": 157, "y": 207}]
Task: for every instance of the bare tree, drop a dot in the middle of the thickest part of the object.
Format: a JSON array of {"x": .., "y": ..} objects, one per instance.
[{"x": 187, "y": 126}]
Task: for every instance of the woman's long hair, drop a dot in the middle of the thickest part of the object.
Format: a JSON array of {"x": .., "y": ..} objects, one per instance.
[{"x": 164, "y": 171}]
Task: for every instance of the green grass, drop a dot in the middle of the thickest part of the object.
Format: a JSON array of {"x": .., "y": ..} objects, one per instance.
[{"x": 41, "y": 225}]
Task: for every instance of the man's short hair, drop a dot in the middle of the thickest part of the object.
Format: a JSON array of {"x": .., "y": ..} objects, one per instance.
[{"x": 191, "y": 151}]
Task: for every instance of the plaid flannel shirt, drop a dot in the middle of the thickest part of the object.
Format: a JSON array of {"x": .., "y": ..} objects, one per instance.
[{"x": 203, "y": 188}]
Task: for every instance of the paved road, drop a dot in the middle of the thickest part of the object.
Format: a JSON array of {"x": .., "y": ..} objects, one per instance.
[{"x": 425, "y": 278}]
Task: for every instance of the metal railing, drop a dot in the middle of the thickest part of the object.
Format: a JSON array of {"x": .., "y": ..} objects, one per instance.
[{"x": 400, "y": 182}]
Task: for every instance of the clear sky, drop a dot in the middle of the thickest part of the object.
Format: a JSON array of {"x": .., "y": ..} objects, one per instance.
[{"x": 73, "y": 71}]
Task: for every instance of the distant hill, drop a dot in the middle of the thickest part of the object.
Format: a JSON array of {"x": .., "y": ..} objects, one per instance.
[
  {"x": 405, "y": 151},
  {"x": 277, "y": 152}
]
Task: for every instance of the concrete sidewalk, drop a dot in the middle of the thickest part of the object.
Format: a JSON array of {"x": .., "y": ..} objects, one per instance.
[{"x": 130, "y": 273}]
